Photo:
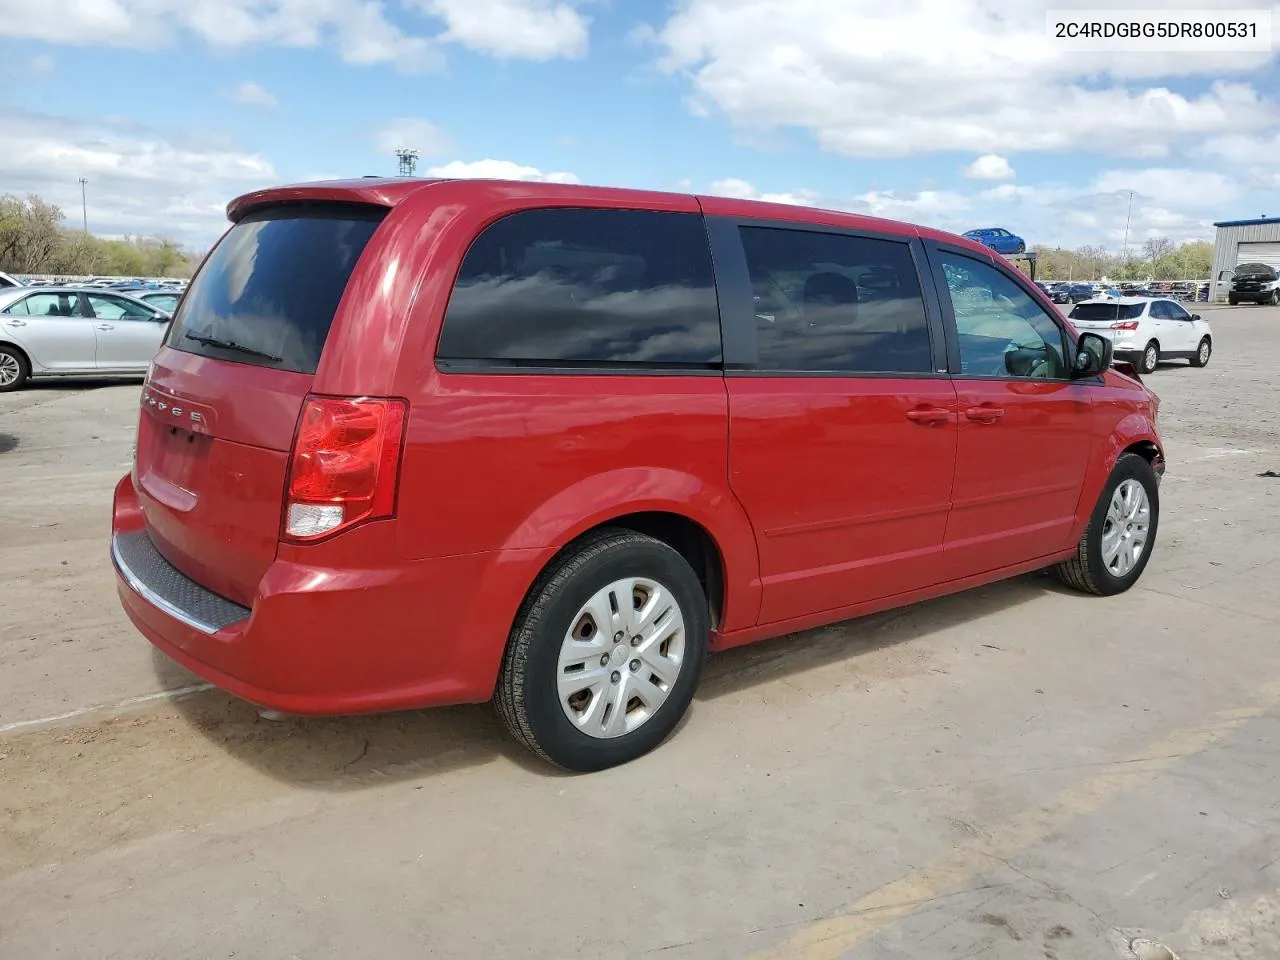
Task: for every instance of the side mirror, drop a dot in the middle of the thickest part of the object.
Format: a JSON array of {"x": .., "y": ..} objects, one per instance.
[
  {"x": 1195, "y": 316},
  {"x": 1093, "y": 355}
]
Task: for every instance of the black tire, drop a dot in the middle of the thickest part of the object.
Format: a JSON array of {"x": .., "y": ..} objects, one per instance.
[
  {"x": 1233, "y": 299},
  {"x": 1086, "y": 571},
  {"x": 1150, "y": 358},
  {"x": 1274, "y": 299},
  {"x": 527, "y": 698},
  {"x": 1204, "y": 350},
  {"x": 10, "y": 355}
]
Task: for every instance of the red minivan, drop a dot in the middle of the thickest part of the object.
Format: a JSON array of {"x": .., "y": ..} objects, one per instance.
[{"x": 415, "y": 442}]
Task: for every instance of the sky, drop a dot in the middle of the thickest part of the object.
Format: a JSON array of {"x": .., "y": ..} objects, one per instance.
[{"x": 952, "y": 113}]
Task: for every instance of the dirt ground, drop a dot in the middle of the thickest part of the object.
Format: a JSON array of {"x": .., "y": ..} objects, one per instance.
[{"x": 1015, "y": 772}]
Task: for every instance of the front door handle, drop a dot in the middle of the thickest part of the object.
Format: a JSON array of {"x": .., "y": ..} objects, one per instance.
[
  {"x": 928, "y": 416},
  {"x": 16, "y": 323},
  {"x": 984, "y": 414},
  {"x": 105, "y": 326}
]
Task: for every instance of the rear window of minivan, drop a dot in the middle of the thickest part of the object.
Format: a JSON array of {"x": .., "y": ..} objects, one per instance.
[
  {"x": 268, "y": 293},
  {"x": 565, "y": 287}
]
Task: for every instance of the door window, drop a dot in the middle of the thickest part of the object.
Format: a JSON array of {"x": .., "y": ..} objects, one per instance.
[
  {"x": 1176, "y": 312},
  {"x": 832, "y": 302},
  {"x": 1002, "y": 331},
  {"x": 114, "y": 308},
  {"x": 554, "y": 287},
  {"x": 49, "y": 305}
]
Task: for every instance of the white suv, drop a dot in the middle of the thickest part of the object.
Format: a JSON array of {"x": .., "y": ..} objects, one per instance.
[{"x": 1145, "y": 331}]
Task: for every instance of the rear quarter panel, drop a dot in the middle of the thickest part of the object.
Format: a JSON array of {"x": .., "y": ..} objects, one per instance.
[{"x": 520, "y": 463}]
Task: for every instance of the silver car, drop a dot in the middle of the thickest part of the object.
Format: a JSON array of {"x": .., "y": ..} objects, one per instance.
[{"x": 71, "y": 331}]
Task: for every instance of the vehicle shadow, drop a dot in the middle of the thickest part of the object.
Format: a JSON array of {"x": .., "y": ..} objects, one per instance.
[
  {"x": 784, "y": 657},
  {"x": 344, "y": 753},
  {"x": 351, "y": 753}
]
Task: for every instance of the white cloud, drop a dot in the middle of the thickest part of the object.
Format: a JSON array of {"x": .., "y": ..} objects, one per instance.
[
  {"x": 139, "y": 181},
  {"x": 871, "y": 80},
  {"x": 41, "y": 64},
  {"x": 1193, "y": 189},
  {"x": 360, "y": 30},
  {"x": 1243, "y": 148},
  {"x": 932, "y": 207},
  {"x": 252, "y": 93},
  {"x": 515, "y": 29},
  {"x": 989, "y": 166},
  {"x": 1008, "y": 191},
  {"x": 497, "y": 170},
  {"x": 742, "y": 190},
  {"x": 412, "y": 133}
]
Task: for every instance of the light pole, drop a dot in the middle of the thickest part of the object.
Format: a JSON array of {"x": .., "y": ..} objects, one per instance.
[
  {"x": 84, "y": 204},
  {"x": 1125, "y": 256}
]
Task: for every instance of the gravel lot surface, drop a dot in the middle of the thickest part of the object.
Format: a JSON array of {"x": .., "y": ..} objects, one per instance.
[{"x": 1014, "y": 772}]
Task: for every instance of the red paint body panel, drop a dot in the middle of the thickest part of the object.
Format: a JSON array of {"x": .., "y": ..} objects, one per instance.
[
  {"x": 823, "y": 498},
  {"x": 1018, "y": 478},
  {"x": 849, "y": 496}
]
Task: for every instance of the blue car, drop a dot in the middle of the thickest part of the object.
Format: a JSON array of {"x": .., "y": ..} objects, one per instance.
[{"x": 998, "y": 239}]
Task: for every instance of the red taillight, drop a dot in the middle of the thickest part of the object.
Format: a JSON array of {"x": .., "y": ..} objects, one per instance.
[
  {"x": 1125, "y": 325},
  {"x": 345, "y": 465}
]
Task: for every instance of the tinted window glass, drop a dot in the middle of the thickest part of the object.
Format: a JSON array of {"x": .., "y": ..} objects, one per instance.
[
  {"x": 825, "y": 301},
  {"x": 272, "y": 286},
  {"x": 113, "y": 308},
  {"x": 1106, "y": 311},
  {"x": 1003, "y": 332},
  {"x": 1175, "y": 311},
  {"x": 586, "y": 286},
  {"x": 52, "y": 305}
]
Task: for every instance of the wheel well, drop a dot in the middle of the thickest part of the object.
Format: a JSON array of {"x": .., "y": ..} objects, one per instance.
[
  {"x": 688, "y": 538},
  {"x": 1145, "y": 449},
  {"x": 18, "y": 350}
]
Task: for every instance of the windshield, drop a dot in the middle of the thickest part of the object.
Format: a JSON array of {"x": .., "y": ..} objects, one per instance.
[
  {"x": 269, "y": 291},
  {"x": 1106, "y": 311}
]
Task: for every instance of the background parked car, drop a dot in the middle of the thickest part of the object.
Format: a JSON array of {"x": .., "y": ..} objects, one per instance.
[
  {"x": 1146, "y": 331},
  {"x": 1255, "y": 283},
  {"x": 998, "y": 239},
  {"x": 1078, "y": 292},
  {"x": 7, "y": 281},
  {"x": 68, "y": 331},
  {"x": 166, "y": 300}
]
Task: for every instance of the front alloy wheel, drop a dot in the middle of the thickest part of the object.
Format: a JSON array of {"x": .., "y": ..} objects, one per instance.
[{"x": 1118, "y": 540}]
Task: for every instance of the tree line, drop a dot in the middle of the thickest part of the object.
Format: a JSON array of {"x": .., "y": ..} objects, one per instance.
[
  {"x": 34, "y": 240},
  {"x": 1157, "y": 259}
]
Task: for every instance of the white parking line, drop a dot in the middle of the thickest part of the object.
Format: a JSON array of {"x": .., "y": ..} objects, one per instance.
[{"x": 118, "y": 706}]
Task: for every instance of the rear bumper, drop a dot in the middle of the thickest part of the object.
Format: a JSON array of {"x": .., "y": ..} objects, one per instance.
[{"x": 327, "y": 641}]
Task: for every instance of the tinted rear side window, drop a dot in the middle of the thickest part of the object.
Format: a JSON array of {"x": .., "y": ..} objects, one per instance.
[
  {"x": 831, "y": 302},
  {"x": 272, "y": 286},
  {"x": 1106, "y": 311},
  {"x": 572, "y": 286}
]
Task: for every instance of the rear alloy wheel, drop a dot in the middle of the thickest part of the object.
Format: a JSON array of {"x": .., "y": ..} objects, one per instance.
[
  {"x": 1121, "y": 533},
  {"x": 1150, "y": 357},
  {"x": 606, "y": 652},
  {"x": 13, "y": 369},
  {"x": 1201, "y": 359}
]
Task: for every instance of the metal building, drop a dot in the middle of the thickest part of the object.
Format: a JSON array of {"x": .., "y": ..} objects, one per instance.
[{"x": 1243, "y": 241}]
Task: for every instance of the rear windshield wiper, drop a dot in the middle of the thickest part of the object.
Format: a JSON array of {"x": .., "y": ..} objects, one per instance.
[{"x": 231, "y": 345}]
